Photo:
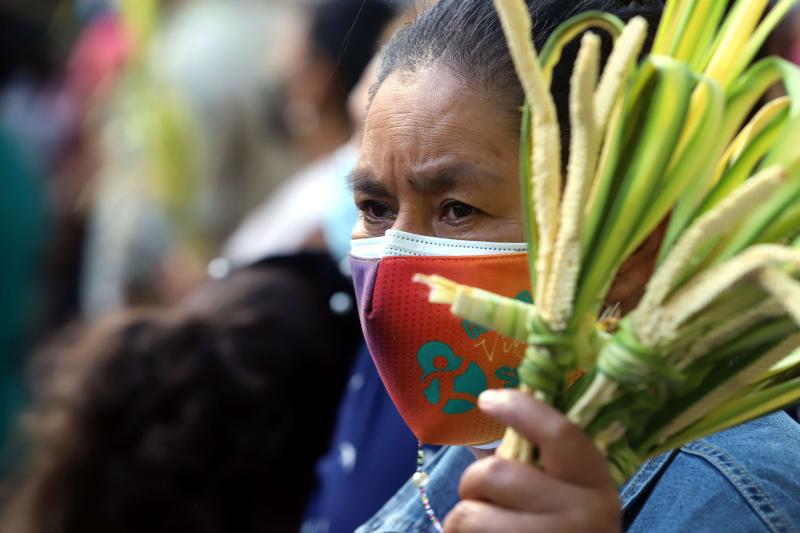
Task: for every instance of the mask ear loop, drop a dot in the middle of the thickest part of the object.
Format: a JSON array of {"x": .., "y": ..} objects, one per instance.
[{"x": 420, "y": 479}]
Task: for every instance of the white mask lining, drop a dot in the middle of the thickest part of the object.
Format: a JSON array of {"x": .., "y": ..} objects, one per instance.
[{"x": 401, "y": 243}]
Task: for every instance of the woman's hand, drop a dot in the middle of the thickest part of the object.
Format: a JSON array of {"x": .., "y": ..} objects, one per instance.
[{"x": 572, "y": 492}]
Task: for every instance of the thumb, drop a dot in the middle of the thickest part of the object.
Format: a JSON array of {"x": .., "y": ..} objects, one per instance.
[{"x": 565, "y": 451}]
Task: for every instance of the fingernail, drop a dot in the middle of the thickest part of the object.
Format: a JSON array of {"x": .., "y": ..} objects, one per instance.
[{"x": 489, "y": 398}]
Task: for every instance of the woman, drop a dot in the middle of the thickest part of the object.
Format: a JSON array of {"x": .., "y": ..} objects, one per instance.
[{"x": 438, "y": 167}]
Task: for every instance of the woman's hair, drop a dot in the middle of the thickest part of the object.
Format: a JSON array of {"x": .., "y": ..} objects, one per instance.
[
  {"x": 208, "y": 418},
  {"x": 466, "y": 38}
]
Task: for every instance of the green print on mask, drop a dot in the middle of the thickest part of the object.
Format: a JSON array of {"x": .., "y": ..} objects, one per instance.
[
  {"x": 509, "y": 376},
  {"x": 473, "y": 330},
  {"x": 446, "y": 381}
]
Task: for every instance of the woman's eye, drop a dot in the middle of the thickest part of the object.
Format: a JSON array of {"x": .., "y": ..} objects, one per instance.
[
  {"x": 375, "y": 210},
  {"x": 457, "y": 210}
]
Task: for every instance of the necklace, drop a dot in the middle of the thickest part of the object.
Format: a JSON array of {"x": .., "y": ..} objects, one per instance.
[{"x": 420, "y": 479}]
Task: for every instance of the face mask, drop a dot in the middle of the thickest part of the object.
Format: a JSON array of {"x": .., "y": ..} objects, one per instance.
[{"x": 433, "y": 364}]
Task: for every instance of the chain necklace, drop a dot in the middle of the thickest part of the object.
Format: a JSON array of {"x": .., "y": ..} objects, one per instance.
[{"x": 420, "y": 479}]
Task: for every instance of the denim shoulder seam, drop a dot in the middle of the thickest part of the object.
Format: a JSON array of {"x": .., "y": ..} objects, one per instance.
[
  {"x": 744, "y": 483},
  {"x": 642, "y": 478}
]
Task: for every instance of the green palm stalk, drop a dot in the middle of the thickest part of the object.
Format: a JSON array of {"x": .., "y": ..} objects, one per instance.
[{"x": 659, "y": 142}]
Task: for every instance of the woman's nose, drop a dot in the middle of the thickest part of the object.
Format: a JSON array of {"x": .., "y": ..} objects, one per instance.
[{"x": 413, "y": 222}]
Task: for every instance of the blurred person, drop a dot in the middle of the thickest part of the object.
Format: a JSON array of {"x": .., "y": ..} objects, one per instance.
[
  {"x": 98, "y": 56},
  {"x": 243, "y": 155},
  {"x": 182, "y": 150},
  {"x": 95, "y": 60},
  {"x": 204, "y": 418},
  {"x": 31, "y": 105},
  {"x": 322, "y": 63},
  {"x": 325, "y": 65},
  {"x": 33, "y": 122},
  {"x": 22, "y": 241},
  {"x": 373, "y": 452}
]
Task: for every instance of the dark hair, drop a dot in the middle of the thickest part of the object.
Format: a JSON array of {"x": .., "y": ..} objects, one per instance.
[
  {"x": 465, "y": 37},
  {"x": 347, "y": 33},
  {"x": 208, "y": 418},
  {"x": 25, "y": 49}
]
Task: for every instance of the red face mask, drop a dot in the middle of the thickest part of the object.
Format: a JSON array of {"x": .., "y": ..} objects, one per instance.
[{"x": 433, "y": 364}]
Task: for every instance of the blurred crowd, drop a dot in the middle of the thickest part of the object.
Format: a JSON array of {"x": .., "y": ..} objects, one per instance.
[{"x": 179, "y": 346}]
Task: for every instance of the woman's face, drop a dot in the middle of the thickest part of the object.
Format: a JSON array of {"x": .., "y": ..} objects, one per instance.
[{"x": 438, "y": 159}]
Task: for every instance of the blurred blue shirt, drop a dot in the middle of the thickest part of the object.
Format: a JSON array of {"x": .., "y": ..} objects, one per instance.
[{"x": 372, "y": 454}]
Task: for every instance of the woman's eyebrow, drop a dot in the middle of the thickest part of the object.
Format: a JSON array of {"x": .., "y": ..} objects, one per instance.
[
  {"x": 364, "y": 182},
  {"x": 448, "y": 178}
]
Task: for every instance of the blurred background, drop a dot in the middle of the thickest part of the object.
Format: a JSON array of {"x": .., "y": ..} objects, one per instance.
[{"x": 189, "y": 158}]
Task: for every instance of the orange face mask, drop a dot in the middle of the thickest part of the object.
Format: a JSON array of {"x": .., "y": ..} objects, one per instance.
[{"x": 433, "y": 364}]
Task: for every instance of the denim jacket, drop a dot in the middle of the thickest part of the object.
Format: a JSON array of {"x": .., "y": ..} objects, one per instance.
[{"x": 744, "y": 479}]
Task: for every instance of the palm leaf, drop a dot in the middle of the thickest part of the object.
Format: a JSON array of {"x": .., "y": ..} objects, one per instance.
[{"x": 712, "y": 343}]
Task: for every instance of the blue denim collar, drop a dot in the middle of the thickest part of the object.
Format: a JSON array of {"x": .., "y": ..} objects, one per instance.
[{"x": 643, "y": 477}]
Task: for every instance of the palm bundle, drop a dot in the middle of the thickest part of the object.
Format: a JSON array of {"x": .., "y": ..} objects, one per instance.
[
  {"x": 677, "y": 143},
  {"x": 157, "y": 128}
]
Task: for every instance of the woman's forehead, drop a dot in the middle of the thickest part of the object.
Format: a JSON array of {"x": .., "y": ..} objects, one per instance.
[{"x": 419, "y": 121}]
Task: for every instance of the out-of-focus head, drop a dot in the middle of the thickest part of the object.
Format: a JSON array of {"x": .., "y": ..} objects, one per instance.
[
  {"x": 324, "y": 63},
  {"x": 204, "y": 419},
  {"x": 346, "y": 32},
  {"x": 358, "y": 100}
]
